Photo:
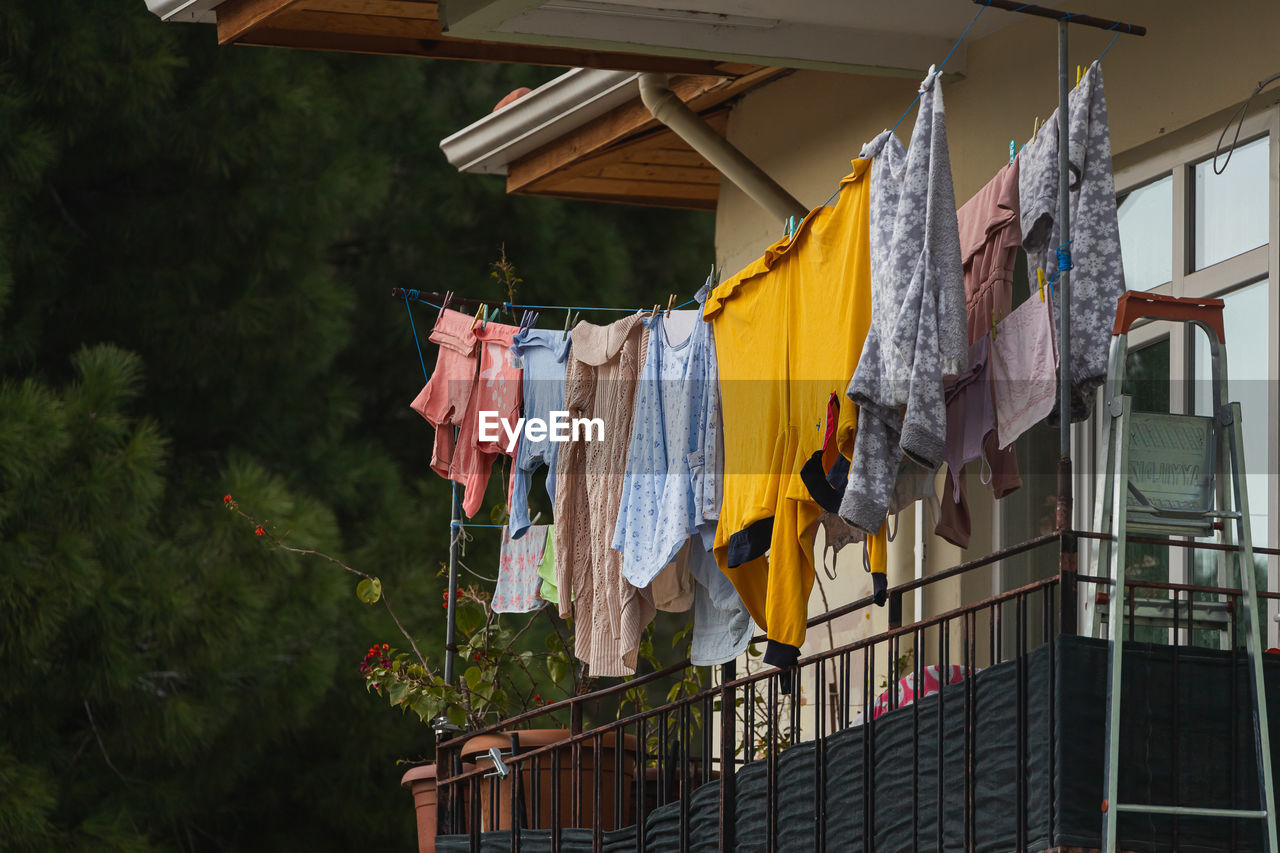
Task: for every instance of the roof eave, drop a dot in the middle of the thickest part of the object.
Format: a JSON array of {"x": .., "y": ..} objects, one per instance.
[{"x": 549, "y": 112}]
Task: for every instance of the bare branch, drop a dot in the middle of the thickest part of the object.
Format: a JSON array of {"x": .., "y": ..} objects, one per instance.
[
  {"x": 311, "y": 552},
  {"x": 102, "y": 747}
]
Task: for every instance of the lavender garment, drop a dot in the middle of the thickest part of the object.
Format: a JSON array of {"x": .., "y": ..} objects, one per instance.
[
  {"x": 1097, "y": 280},
  {"x": 971, "y": 414},
  {"x": 1024, "y": 366},
  {"x": 917, "y": 332},
  {"x": 543, "y": 355}
]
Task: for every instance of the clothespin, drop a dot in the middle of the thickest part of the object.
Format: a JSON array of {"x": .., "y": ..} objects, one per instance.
[
  {"x": 671, "y": 304},
  {"x": 569, "y": 320},
  {"x": 1079, "y": 73},
  {"x": 654, "y": 312},
  {"x": 444, "y": 303},
  {"x": 1040, "y": 281},
  {"x": 928, "y": 79},
  {"x": 1035, "y": 128},
  {"x": 1013, "y": 150},
  {"x": 479, "y": 313}
]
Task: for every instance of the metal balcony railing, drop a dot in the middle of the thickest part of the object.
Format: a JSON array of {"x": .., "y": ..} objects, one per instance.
[{"x": 969, "y": 730}]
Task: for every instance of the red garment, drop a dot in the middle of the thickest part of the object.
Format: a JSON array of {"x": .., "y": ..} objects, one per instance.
[
  {"x": 455, "y": 396},
  {"x": 907, "y": 687}
]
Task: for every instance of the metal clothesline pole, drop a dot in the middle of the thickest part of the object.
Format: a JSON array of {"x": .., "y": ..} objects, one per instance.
[
  {"x": 1064, "y": 287},
  {"x": 1063, "y": 514},
  {"x": 451, "y": 616}
]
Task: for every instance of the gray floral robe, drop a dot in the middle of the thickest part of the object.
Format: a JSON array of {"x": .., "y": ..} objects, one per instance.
[
  {"x": 918, "y": 332},
  {"x": 1098, "y": 278}
]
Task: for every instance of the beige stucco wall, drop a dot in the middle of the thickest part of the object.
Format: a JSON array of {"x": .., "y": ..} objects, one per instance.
[{"x": 1197, "y": 60}]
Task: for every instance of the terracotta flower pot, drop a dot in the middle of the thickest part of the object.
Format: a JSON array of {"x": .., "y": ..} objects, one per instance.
[
  {"x": 495, "y": 813},
  {"x": 421, "y": 781}
]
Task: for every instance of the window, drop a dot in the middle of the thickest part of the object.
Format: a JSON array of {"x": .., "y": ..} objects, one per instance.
[
  {"x": 1231, "y": 214},
  {"x": 1146, "y": 234},
  {"x": 1189, "y": 232}
]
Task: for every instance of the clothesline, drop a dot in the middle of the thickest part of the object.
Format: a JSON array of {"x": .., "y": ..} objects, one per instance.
[{"x": 410, "y": 295}]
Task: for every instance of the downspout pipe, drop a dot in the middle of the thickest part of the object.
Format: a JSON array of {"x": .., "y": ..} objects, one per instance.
[{"x": 666, "y": 107}]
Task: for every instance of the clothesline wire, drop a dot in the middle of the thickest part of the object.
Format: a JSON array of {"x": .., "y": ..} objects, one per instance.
[
  {"x": 425, "y": 376},
  {"x": 939, "y": 68},
  {"x": 1115, "y": 26},
  {"x": 411, "y": 296},
  {"x": 943, "y": 63}
]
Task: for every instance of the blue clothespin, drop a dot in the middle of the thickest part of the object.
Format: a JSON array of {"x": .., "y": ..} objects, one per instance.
[{"x": 1013, "y": 150}]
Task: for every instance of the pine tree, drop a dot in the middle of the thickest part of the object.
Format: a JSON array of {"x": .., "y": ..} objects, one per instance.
[{"x": 196, "y": 246}]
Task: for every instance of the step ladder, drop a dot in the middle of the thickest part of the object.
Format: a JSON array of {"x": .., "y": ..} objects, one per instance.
[{"x": 1136, "y": 495}]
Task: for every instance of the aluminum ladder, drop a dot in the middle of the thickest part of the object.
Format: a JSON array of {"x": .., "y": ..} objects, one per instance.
[{"x": 1149, "y": 485}]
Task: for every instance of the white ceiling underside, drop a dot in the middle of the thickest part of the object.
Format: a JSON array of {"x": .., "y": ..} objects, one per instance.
[{"x": 848, "y": 35}]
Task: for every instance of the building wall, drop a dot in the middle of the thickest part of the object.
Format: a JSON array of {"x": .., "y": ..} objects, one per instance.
[{"x": 1193, "y": 65}]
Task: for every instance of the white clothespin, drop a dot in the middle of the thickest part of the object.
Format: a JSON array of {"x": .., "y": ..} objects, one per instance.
[{"x": 928, "y": 79}]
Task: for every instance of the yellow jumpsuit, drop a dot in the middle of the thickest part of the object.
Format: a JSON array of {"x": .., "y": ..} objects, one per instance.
[{"x": 789, "y": 331}]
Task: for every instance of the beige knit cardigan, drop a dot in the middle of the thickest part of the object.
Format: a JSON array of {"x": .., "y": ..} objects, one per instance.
[{"x": 609, "y": 614}]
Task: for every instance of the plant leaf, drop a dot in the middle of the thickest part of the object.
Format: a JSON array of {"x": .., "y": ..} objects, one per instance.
[{"x": 369, "y": 590}]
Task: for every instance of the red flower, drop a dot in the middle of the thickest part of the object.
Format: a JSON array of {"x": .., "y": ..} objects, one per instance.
[
  {"x": 226, "y": 499},
  {"x": 537, "y": 697},
  {"x": 385, "y": 647},
  {"x": 260, "y": 531}
]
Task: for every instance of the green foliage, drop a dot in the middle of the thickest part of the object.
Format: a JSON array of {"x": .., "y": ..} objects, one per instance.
[
  {"x": 196, "y": 244},
  {"x": 500, "y": 677},
  {"x": 686, "y": 683}
]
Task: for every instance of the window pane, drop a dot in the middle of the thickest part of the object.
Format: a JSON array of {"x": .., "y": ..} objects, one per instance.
[
  {"x": 1231, "y": 208},
  {"x": 1146, "y": 378},
  {"x": 1245, "y": 318},
  {"x": 1248, "y": 379},
  {"x": 1146, "y": 234}
]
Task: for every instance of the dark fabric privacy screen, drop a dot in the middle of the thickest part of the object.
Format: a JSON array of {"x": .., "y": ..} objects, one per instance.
[{"x": 1191, "y": 735}]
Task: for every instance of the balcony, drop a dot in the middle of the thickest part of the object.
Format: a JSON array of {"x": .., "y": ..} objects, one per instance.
[{"x": 1001, "y": 747}]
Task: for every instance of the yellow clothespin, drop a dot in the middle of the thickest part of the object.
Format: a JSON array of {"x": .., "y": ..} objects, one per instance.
[
  {"x": 1041, "y": 282},
  {"x": 479, "y": 311},
  {"x": 1079, "y": 73}
]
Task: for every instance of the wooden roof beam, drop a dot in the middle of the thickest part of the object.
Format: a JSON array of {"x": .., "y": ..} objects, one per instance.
[
  {"x": 238, "y": 17},
  {"x": 405, "y": 28}
]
